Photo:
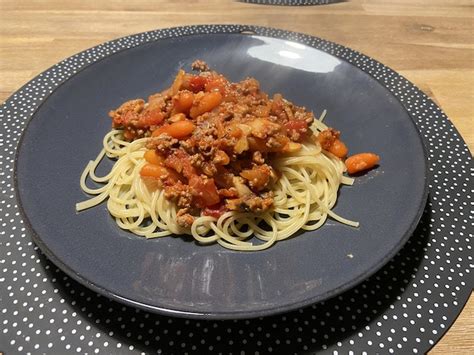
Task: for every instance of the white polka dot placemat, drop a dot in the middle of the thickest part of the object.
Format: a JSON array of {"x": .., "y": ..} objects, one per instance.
[{"x": 404, "y": 308}]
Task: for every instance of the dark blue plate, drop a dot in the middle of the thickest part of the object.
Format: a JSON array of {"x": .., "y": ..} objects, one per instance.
[{"x": 175, "y": 276}]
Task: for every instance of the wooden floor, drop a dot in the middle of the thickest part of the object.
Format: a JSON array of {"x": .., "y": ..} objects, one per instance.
[{"x": 430, "y": 42}]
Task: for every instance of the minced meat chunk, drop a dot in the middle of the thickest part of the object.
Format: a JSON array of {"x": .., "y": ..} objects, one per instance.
[{"x": 212, "y": 141}]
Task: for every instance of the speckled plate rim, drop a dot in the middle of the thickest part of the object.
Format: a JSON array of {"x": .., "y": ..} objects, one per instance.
[{"x": 244, "y": 30}]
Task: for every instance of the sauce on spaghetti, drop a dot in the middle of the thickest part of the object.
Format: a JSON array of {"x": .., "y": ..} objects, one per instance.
[{"x": 212, "y": 141}]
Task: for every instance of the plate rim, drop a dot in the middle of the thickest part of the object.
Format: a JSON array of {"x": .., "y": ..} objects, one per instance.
[{"x": 225, "y": 29}]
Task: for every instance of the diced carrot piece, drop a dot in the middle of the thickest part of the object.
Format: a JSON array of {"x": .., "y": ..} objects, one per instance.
[
  {"x": 152, "y": 170},
  {"x": 153, "y": 158},
  {"x": 157, "y": 132},
  {"x": 206, "y": 103},
  {"x": 183, "y": 101},
  {"x": 181, "y": 129},
  {"x": 178, "y": 130},
  {"x": 360, "y": 162},
  {"x": 338, "y": 148}
]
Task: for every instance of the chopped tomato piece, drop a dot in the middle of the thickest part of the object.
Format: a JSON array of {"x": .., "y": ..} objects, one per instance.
[
  {"x": 150, "y": 118},
  {"x": 204, "y": 191},
  {"x": 197, "y": 83},
  {"x": 181, "y": 163},
  {"x": 218, "y": 84},
  {"x": 214, "y": 211},
  {"x": 298, "y": 127},
  {"x": 128, "y": 135}
]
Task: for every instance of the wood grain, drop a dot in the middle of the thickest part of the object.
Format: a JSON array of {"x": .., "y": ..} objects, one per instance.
[{"x": 430, "y": 42}]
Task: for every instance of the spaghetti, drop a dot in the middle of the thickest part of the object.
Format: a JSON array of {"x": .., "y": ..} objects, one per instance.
[
  {"x": 221, "y": 162},
  {"x": 304, "y": 196}
]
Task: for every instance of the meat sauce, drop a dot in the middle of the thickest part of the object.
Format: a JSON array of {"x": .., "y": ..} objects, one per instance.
[{"x": 211, "y": 141}]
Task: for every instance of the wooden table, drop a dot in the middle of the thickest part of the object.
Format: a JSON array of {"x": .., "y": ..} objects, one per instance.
[{"x": 430, "y": 42}]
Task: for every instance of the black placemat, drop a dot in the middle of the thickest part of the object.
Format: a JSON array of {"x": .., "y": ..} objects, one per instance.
[{"x": 404, "y": 308}]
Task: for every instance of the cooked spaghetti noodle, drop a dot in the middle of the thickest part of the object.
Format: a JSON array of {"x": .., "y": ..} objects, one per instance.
[{"x": 304, "y": 196}]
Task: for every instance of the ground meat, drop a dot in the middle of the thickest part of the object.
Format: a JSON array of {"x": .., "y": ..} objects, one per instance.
[
  {"x": 200, "y": 65},
  {"x": 184, "y": 219},
  {"x": 229, "y": 193},
  {"x": 327, "y": 137},
  {"x": 209, "y": 169},
  {"x": 126, "y": 112},
  {"x": 162, "y": 143},
  {"x": 251, "y": 203},
  {"x": 258, "y": 158},
  {"x": 180, "y": 193},
  {"x": 214, "y": 140}
]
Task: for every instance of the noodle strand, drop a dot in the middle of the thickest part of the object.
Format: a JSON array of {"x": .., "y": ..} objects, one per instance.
[{"x": 303, "y": 198}]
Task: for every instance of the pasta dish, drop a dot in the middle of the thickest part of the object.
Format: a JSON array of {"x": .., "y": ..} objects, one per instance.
[{"x": 220, "y": 161}]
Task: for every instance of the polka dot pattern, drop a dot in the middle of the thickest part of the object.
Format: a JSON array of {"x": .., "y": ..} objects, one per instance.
[{"x": 404, "y": 308}]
